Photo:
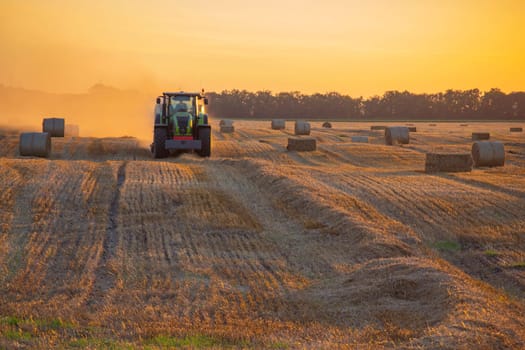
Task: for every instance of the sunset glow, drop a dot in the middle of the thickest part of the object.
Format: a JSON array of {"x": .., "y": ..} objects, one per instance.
[{"x": 354, "y": 47}]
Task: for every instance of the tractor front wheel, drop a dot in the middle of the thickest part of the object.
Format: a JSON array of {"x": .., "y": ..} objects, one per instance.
[
  {"x": 159, "y": 143},
  {"x": 205, "y": 137}
]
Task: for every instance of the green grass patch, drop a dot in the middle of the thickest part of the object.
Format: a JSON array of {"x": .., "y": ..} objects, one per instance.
[
  {"x": 11, "y": 321},
  {"x": 191, "y": 341},
  {"x": 447, "y": 246},
  {"x": 17, "y": 335},
  {"x": 518, "y": 265},
  {"x": 491, "y": 252},
  {"x": 279, "y": 346},
  {"x": 97, "y": 343}
]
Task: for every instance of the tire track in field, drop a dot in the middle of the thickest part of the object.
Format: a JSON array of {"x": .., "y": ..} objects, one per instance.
[{"x": 105, "y": 274}]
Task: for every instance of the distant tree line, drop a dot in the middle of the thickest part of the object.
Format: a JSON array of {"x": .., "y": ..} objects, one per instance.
[{"x": 450, "y": 105}]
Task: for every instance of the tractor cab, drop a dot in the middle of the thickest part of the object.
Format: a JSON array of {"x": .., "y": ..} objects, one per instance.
[{"x": 181, "y": 123}]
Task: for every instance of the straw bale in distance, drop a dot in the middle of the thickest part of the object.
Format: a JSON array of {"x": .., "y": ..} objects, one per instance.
[
  {"x": 301, "y": 144},
  {"x": 397, "y": 135},
  {"x": 476, "y": 136},
  {"x": 488, "y": 153},
  {"x": 278, "y": 124},
  {"x": 448, "y": 162},
  {"x": 302, "y": 128}
]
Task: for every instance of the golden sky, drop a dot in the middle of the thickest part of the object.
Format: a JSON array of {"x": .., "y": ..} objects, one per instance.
[{"x": 354, "y": 47}]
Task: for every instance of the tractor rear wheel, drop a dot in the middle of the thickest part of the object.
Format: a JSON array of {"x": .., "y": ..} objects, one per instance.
[
  {"x": 205, "y": 137},
  {"x": 159, "y": 143}
]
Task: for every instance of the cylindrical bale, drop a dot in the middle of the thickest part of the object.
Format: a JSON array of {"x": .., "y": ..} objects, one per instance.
[
  {"x": 448, "y": 162},
  {"x": 278, "y": 124},
  {"x": 302, "y": 128},
  {"x": 516, "y": 129},
  {"x": 226, "y": 122},
  {"x": 476, "y": 136},
  {"x": 378, "y": 127},
  {"x": 227, "y": 129},
  {"x": 35, "y": 144},
  {"x": 431, "y": 124},
  {"x": 301, "y": 144},
  {"x": 412, "y": 129},
  {"x": 54, "y": 126},
  {"x": 463, "y": 124},
  {"x": 362, "y": 139},
  {"x": 488, "y": 153},
  {"x": 327, "y": 125},
  {"x": 397, "y": 135},
  {"x": 71, "y": 130}
]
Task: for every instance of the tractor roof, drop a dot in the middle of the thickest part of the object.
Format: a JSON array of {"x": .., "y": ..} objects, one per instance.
[{"x": 182, "y": 93}]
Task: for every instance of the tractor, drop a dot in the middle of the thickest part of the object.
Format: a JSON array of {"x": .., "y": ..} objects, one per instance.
[{"x": 181, "y": 124}]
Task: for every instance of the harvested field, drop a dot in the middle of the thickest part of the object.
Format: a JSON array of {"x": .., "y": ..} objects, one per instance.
[{"x": 352, "y": 245}]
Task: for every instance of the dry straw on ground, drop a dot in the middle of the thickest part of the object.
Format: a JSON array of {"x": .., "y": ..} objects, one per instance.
[{"x": 360, "y": 139}]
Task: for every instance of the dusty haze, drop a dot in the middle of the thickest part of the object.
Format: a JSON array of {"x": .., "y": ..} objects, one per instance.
[{"x": 102, "y": 111}]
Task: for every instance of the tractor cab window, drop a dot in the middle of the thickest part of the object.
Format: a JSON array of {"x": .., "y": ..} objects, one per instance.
[{"x": 181, "y": 104}]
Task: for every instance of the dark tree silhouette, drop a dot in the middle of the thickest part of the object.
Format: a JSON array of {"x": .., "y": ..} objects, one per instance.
[{"x": 396, "y": 105}]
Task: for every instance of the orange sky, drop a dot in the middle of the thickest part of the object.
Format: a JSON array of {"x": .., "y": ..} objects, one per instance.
[{"x": 351, "y": 46}]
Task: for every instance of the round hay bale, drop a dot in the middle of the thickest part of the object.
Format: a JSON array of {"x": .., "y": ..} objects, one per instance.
[
  {"x": 35, "y": 144},
  {"x": 278, "y": 124},
  {"x": 412, "y": 129},
  {"x": 378, "y": 127},
  {"x": 327, "y": 125},
  {"x": 448, "y": 162},
  {"x": 463, "y": 124},
  {"x": 476, "y": 136},
  {"x": 397, "y": 135},
  {"x": 360, "y": 139},
  {"x": 226, "y": 122},
  {"x": 516, "y": 129},
  {"x": 488, "y": 153},
  {"x": 302, "y": 128},
  {"x": 431, "y": 124},
  {"x": 54, "y": 126},
  {"x": 301, "y": 144},
  {"x": 71, "y": 130}
]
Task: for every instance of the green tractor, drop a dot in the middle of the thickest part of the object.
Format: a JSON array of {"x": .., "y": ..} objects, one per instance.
[{"x": 181, "y": 124}]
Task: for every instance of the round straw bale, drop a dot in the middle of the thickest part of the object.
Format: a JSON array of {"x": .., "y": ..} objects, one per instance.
[
  {"x": 516, "y": 129},
  {"x": 488, "y": 153},
  {"x": 361, "y": 139},
  {"x": 35, "y": 144},
  {"x": 301, "y": 144},
  {"x": 278, "y": 124},
  {"x": 397, "y": 135},
  {"x": 54, "y": 126},
  {"x": 327, "y": 125},
  {"x": 448, "y": 162},
  {"x": 302, "y": 128},
  {"x": 377, "y": 127},
  {"x": 463, "y": 124},
  {"x": 226, "y": 122},
  {"x": 412, "y": 129},
  {"x": 476, "y": 136},
  {"x": 431, "y": 124}
]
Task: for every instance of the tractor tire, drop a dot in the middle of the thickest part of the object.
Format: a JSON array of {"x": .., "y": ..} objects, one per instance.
[
  {"x": 205, "y": 137},
  {"x": 159, "y": 143}
]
